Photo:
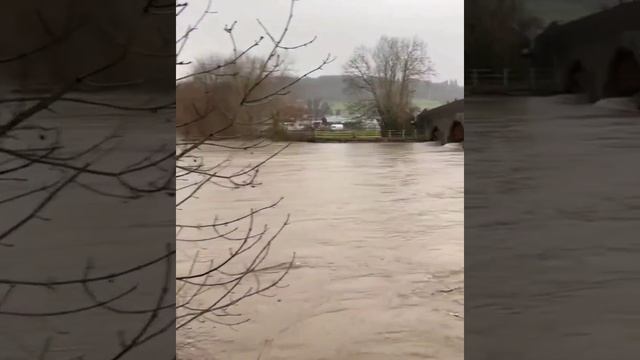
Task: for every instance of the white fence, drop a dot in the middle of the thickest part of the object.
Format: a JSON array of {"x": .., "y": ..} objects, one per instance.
[{"x": 533, "y": 79}]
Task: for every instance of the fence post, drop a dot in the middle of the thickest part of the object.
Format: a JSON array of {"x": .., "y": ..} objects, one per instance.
[
  {"x": 402, "y": 133},
  {"x": 505, "y": 78},
  {"x": 532, "y": 77}
]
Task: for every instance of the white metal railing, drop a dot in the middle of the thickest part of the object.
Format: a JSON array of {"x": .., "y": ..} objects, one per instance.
[{"x": 530, "y": 79}]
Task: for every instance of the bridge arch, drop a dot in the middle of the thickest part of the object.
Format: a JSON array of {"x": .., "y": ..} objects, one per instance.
[
  {"x": 623, "y": 75},
  {"x": 575, "y": 78},
  {"x": 436, "y": 134},
  {"x": 456, "y": 132}
]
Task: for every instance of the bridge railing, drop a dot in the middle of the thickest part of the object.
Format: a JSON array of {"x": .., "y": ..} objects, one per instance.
[{"x": 509, "y": 80}]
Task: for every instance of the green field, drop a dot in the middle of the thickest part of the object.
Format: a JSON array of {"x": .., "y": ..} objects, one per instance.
[
  {"x": 426, "y": 103},
  {"x": 347, "y": 135},
  {"x": 338, "y": 105}
]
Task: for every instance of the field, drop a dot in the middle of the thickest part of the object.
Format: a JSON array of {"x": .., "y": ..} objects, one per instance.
[
  {"x": 426, "y": 103},
  {"x": 347, "y": 135}
]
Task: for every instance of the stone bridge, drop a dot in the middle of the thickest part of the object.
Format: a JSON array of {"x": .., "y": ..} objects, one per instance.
[
  {"x": 444, "y": 123},
  {"x": 598, "y": 55}
]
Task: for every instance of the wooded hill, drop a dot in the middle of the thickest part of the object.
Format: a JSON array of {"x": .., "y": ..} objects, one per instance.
[{"x": 333, "y": 88}]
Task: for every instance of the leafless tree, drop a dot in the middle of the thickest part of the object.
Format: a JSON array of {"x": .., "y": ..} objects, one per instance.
[
  {"x": 226, "y": 259},
  {"x": 221, "y": 92},
  {"x": 39, "y": 168},
  {"x": 496, "y": 32},
  {"x": 386, "y": 75}
]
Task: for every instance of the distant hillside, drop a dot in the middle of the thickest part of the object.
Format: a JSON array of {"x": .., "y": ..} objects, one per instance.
[
  {"x": 332, "y": 89},
  {"x": 552, "y": 10}
]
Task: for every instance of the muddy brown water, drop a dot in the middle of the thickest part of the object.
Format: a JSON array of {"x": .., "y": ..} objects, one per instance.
[
  {"x": 551, "y": 228},
  {"x": 377, "y": 230},
  {"x": 79, "y": 227}
]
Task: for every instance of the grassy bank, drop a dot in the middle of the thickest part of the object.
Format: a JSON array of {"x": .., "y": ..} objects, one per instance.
[{"x": 349, "y": 136}]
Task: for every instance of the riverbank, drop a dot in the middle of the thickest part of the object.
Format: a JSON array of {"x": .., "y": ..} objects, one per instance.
[
  {"x": 344, "y": 136},
  {"x": 378, "y": 140}
]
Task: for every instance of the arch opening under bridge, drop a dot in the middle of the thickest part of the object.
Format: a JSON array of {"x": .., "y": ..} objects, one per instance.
[
  {"x": 623, "y": 75},
  {"x": 575, "y": 79},
  {"x": 456, "y": 132}
]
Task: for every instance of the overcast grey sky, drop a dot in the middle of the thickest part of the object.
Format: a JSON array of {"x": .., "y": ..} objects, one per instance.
[{"x": 340, "y": 25}]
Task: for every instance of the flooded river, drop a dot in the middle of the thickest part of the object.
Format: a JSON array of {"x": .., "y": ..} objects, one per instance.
[
  {"x": 377, "y": 232},
  {"x": 551, "y": 220}
]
